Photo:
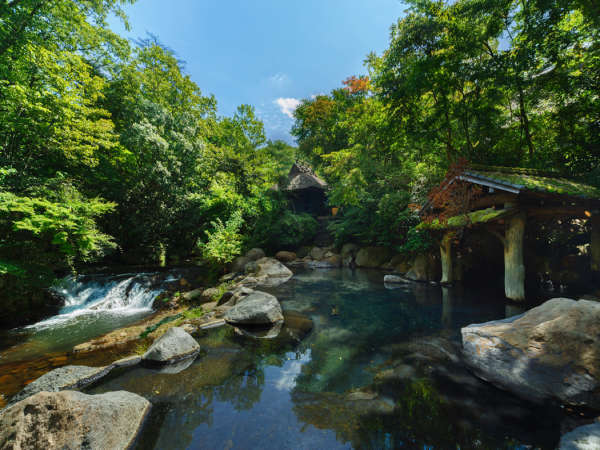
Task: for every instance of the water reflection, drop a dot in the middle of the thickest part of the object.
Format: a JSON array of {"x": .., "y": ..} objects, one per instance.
[{"x": 380, "y": 369}]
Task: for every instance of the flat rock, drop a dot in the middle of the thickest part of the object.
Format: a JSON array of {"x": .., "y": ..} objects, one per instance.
[
  {"x": 171, "y": 347},
  {"x": 586, "y": 437},
  {"x": 393, "y": 279},
  {"x": 72, "y": 420},
  {"x": 550, "y": 353},
  {"x": 258, "y": 308},
  {"x": 130, "y": 361},
  {"x": 67, "y": 377}
]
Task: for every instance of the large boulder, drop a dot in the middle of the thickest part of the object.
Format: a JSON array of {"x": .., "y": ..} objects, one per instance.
[
  {"x": 373, "y": 256},
  {"x": 63, "y": 378},
  {"x": 586, "y": 437},
  {"x": 231, "y": 298},
  {"x": 201, "y": 295},
  {"x": 269, "y": 272},
  {"x": 255, "y": 254},
  {"x": 317, "y": 253},
  {"x": 239, "y": 264},
  {"x": 349, "y": 250},
  {"x": 173, "y": 346},
  {"x": 258, "y": 308},
  {"x": 425, "y": 268},
  {"x": 285, "y": 257},
  {"x": 72, "y": 420},
  {"x": 550, "y": 353},
  {"x": 396, "y": 260}
]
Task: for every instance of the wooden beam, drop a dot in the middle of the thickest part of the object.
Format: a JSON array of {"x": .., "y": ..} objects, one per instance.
[
  {"x": 491, "y": 200},
  {"x": 447, "y": 258},
  {"x": 514, "y": 265},
  {"x": 557, "y": 211}
]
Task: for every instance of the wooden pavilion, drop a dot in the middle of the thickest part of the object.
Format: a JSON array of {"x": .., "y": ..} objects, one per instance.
[
  {"x": 508, "y": 199},
  {"x": 306, "y": 191}
]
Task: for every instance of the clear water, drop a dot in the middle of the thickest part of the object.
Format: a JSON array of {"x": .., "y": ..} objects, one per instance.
[{"x": 377, "y": 371}]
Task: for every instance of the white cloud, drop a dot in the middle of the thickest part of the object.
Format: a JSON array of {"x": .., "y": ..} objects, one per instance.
[
  {"x": 288, "y": 105},
  {"x": 279, "y": 79}
]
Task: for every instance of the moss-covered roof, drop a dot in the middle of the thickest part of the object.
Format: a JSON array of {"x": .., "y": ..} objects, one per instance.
[
  {"x": 532, "y": 180},
  {"x": 473, "y": 218}
]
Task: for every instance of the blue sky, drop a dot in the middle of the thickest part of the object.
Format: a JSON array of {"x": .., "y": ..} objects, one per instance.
[{"x": 267, "y": 53}]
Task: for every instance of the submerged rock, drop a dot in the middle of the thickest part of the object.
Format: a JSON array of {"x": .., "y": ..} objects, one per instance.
[
  {"x": 72, "y": 420},
  {"x": 173, "y": 346},
  {"x": 586, "y": 437},
  {"x": 258, "y": 308},
  {"x": 260, "y": 333},
  {"x": 552, "y": 352},
  {"x": 63, "y": 378},
  {"x": 394, "y": 279}
]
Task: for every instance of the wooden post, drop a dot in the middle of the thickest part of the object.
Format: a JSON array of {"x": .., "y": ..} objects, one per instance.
[
  {"x": 595, "y": 242},
  {"x": 514, "y": 266},
  {"x": 446, "y": 257}
]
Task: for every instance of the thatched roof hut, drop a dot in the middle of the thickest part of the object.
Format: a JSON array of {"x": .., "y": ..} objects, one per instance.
[
  {"x": 306, "y": 190},
  {"x": 302, "y": 177}
]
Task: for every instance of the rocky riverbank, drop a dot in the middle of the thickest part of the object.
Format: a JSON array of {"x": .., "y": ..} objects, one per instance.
[{"x": 51, "y": 412}]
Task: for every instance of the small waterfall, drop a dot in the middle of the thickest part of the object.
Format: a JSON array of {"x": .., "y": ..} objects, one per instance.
[{"x": 122, "y": 295}]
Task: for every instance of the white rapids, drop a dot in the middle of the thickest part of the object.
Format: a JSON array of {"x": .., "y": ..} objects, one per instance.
[{"x": 121, "y": 295}]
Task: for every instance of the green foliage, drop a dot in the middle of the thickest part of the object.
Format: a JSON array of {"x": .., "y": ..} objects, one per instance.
[
  {"x": 225, "y": 241},
  {"x": 279, "y": 228},
  {"x": 152, "y": 328},
  {"x": 7, "y": 268},
  {"x": 193, "y": 313},
  {"x": 506, "y": 83},
  {"x": 108, "y": 146},
  {"x": 70, "y": 225},
  {"x": 417, "y": 241},
  {"x": 293, "y": 230}
]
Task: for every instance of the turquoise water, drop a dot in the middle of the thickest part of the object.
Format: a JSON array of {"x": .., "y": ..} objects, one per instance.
[{"x": 378, "y": 370}]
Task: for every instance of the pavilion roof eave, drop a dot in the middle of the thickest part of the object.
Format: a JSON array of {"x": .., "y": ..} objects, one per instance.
[
  {"x": 479, "y": 217},
  {"x": 490, "y": 182}
]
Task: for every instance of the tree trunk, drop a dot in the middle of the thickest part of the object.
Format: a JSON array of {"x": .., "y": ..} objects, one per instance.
[
  {"x": 514, "y": 266},
  {"x": 525, "y": 122},
  {"x": 446, "y": 256},
  {"x": 595, "y": 242}
]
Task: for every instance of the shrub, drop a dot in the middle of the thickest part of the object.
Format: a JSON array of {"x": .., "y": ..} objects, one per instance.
[
  {"x": 293, "y": 230},
  {"x": 225, "y": 241}
]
